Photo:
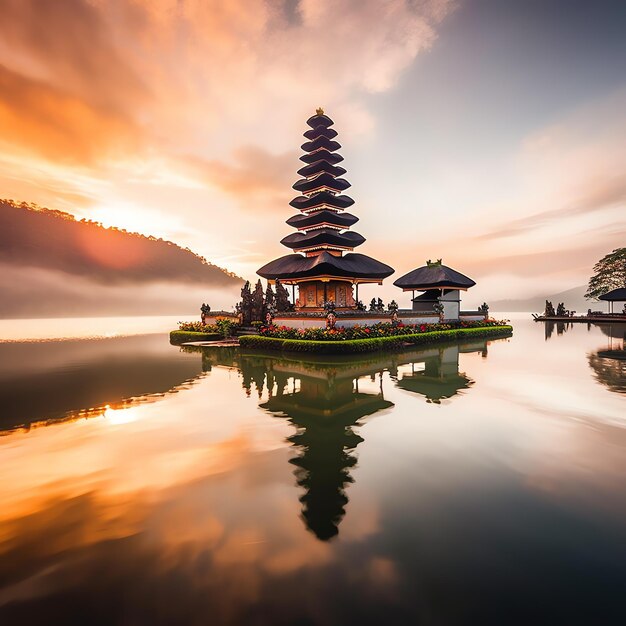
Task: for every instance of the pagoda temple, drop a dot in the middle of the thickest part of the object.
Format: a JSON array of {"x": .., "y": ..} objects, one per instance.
[{"x": 322, "y": 264}]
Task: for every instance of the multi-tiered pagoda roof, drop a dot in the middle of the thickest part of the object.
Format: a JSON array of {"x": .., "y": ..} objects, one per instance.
[{"x": 323, "y": 243}]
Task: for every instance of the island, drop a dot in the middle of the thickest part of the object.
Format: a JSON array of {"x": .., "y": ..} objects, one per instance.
[{"x": 324, "y": 313}]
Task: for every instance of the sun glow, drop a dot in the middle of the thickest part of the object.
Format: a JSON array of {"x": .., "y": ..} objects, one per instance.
[
  {"x": 124, "y": 215},
  {"x": 117, "y": 417}
]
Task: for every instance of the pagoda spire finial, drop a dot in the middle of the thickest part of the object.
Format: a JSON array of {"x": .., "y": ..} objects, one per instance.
[{"x": 319, "y": 111}]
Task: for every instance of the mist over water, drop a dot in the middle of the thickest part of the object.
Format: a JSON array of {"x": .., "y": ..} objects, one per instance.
[{"x": 40, "y": 293}]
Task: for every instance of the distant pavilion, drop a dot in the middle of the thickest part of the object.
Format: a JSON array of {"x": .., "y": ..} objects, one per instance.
[
  {"x": 616, "y": 295},
  {"x": 322, "y": 264},
  {"x": 439, "y": 283}
]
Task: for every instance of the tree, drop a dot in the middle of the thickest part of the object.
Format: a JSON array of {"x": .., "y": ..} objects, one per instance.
[{"x": 609, "y": 273}]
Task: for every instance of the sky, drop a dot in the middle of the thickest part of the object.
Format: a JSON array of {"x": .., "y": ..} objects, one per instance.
[{"x": 488, "y": 133}]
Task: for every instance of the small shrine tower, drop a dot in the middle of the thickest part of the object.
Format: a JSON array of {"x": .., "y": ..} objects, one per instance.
[{"x": 323, "y": 264}]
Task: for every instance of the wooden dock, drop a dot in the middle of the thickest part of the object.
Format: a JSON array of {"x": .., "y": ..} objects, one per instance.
[{"x": 588, "y": 319}]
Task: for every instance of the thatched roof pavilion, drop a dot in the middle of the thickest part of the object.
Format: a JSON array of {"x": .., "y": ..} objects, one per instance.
[
  {"x": 440, "y": 284},
  {"x": 433, "y": 275},
  {"x": 616, "y": 295}
]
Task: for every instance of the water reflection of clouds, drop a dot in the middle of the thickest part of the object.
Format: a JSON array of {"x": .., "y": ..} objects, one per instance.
[
  {"x": 79, "y": 379},
  {"x": 192, "y": 508}
]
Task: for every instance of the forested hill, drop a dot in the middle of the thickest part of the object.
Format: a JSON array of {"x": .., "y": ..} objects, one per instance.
[{"x": 36, "y": 237}]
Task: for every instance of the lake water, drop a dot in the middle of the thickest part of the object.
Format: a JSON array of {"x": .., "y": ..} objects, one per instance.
[{"x": 476, "y": 483}]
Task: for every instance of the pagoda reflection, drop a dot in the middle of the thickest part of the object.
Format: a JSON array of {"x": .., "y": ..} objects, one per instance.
[
  {"x": 325, "y": 406},
  {"x": 327, "y": 402},
  {"x": 435, "y": 374}
]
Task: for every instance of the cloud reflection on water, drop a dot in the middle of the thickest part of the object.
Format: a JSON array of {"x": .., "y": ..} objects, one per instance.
[{"x": 190, "y": 511}]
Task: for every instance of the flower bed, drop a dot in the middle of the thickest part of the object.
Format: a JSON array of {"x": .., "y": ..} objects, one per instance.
[
  {"x": 379, "y": 330},
  {"x": 198, "y": 327},
  {"x": 371, "y": 344}
]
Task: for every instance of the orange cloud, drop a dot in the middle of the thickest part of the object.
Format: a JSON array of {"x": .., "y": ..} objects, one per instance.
[
  {"x": 257, "y": 176},
  {"x": 100, "y": 98},
  {"x": 73, "y": 46},
  {"x": 40, "y": 119}
]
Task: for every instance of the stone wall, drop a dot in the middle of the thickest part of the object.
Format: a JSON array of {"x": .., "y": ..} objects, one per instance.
[
  {"x": 211, "y": 318},
  {"x": 304, "y": 321},
  {"x": 301, "y": 320}
]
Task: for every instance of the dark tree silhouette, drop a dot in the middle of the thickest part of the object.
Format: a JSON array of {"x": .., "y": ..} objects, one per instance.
[{"x": 608, "y": 273}]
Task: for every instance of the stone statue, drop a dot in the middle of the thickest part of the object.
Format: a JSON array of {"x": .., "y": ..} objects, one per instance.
[
  {"x": 258, "y": 302},
  {"x": 270, "y": 313},
  {"x": 246, "y": 304},
  {"x": 282, "y": 298},
  {"x": 270, "y": 298},
  {"x": 205, "y": 309},
  {"x": 331, "y": 320},
  {"x": 438, "y": 308}
]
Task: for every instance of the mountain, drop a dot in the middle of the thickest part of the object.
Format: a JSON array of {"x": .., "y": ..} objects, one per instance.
[
  {"x": 37, "y": 237},
  {"x": 574, "y": 299},
  {"x": 52, "y": 264}
]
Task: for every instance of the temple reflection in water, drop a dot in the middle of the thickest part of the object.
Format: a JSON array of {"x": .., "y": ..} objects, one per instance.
[
  {"x": 609, "y": 363},
  {"x": 436, "y": 375},
  {"x": 327, "y": 403},
  {"x": 324, "y": 406},
  {"x": 560, "y": 327}
]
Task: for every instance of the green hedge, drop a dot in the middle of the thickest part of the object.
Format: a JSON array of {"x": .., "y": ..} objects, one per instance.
[
  {"x": 182, "y": 336},
  {"x": 354, "y": 346}
]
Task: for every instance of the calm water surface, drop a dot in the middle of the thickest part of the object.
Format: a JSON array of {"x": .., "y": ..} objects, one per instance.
[{"x": 478, "y": 483}]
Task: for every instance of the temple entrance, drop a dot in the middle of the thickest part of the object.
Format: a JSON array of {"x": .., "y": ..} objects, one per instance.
[{"x": 313, "y": 294}]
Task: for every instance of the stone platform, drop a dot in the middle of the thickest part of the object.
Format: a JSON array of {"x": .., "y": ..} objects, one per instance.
[{"x": 304, "y": 320}]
